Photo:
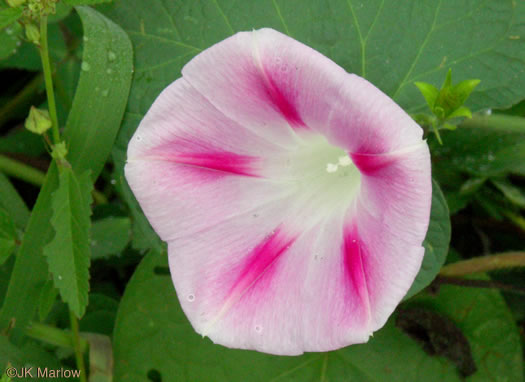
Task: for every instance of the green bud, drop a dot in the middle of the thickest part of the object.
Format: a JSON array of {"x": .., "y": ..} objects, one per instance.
[
  {"x": 15, "y": 3},
  {"x": 33, "y": 34},
  {"x": 59, "y": 151},
  {"x": 38, "y": 121}
]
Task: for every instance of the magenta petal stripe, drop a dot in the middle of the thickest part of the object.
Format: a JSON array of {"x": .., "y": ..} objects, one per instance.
[
  {"x": 353, "y": 252},
  {"x": 226, "y": 162}
]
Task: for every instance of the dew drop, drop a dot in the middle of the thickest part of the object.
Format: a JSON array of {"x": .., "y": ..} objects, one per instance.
[
  {"x": 191, "y": 297},
  {"x": 9, "y": 31},
  {"x": 109, "y": 70},
  {"x": 255, "y": 215},
  {"x": 258, "y": 328},
  {"x": 59, "y": 277},
  {"x": 85, "y": 66},
  {"x": 18, "y": 43},
  {"x": 86, "y": 38},
  {"x": 353, "y": 240},
  {"x": 111, "y": 56},
  {"x": 138, "y": 138},
  {"x": 105, "y": 93},
  {"x": 113, "y": 181}
]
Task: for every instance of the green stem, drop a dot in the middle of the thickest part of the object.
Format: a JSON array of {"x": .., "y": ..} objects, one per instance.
[
  {"x": 48, "y": 77},
  {"x": 484, "y": 264},
  {"x": 54, "y": 336},
  {"x": 34, "y": 176},
  {"x": 21, "y": 170},
  {"x": 79, "y": 355},
  {"x": 496, "y": 122}
]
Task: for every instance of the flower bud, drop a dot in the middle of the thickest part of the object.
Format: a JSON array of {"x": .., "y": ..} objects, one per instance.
[
  {"x": 38, "y": 121},
  {"x": 33, "y": 34}
]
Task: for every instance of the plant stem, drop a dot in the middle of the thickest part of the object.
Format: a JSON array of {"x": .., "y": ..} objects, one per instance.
[
  {"x": 48, "y": 77},
  {"x": 21, "y": 170},
  {"x": 54, "y": 336},
  {"x": 34, "y": 176},
  {"x": 484, "y": 264},
  {"x": 496, "y": 121},
  {"x": 79, "y": 355},
  {"x": 473, "y": 283}
]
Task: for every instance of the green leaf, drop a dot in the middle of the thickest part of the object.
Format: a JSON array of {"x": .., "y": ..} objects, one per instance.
[
  {"x": 10, "y": 40},
  {"x": 380, "y": 40},
  {"x": 68, "y": 253},
  {"x": 430, "y": 92},
  {"x": 8, "y": 235},
  {"x": 102, "y": 91},
  {"x": 9, "y": 16},
  {"x": 465, "y": 88},
  {"x": 48, "y": 297},
  {"x": 27, "y": 55},
  {"x": 110, "y": 236},
  {"x": 26, "y": 355},
  {"x": 85, "y": 2},
  {"x": 436, "y": 242},
  {"x": 511, "y": 192},
  {"x": 12, "y": 202},
  {"x": 93, "y": 142},
  {"x": 167, "y": 346},
  {"x": 461, "y": 111},
  {"x": 484, "y": 146}
]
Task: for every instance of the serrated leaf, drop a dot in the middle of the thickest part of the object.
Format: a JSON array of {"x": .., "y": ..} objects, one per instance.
[
  {"x": 511, "y": 192},
  {"x": 9, "y": 16},
  {"x": 21, "y": 300},
  {"x": 167, "y": 344},
  {"x": 8, "y": 235},
  {"x": 110, "y": 236},
  {"x": 68, "y": 254},
  {"x": 429, "y": 91},
  {"x": 436, "y": 242}
]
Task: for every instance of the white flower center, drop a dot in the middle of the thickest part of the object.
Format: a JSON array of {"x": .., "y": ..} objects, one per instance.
[{"x": 322, "y": 176}]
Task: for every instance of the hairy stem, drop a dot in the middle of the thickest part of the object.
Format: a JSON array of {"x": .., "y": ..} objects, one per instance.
[
  {"x": 48, "y": 78},
  {"x": 484, "y": 264}
]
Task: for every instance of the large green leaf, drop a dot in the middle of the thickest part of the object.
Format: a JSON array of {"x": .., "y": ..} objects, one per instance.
[
  {"x": 9, "y": 16},
  {"x": 391, "y": 43},
  {"x": 436, "y": 242},
  {"x": 89, "y": 142},
  {"x": 68, "y": 254},
  {"x": 150, "y": 322},
  {"x": 109, "y": 236},
  {"x": 12, "y": 202},
  {"x": 8, "y": 235},
  {"x": 483, "y": 146}
]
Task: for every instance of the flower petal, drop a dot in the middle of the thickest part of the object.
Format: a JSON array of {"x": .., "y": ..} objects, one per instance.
[
  {"x": 190, "y": 167},
  {"x": 269, "y": 82},
  {"x": 366, "y": 121}
]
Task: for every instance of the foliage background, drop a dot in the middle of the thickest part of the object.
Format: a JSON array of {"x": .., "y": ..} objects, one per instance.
[{"x": 112, "y": 59}]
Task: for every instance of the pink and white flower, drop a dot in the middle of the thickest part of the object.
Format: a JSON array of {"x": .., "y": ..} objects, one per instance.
[{"x": 294, "y": 197}]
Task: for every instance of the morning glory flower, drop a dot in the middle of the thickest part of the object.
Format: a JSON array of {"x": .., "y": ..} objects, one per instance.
[{"x": 294, "y": 196}]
